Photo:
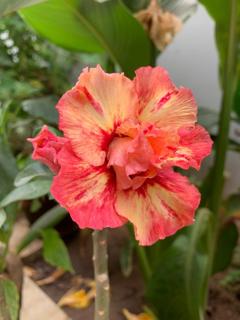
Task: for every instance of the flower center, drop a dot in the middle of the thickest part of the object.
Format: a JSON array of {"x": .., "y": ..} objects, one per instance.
[{"x": 131, "y": 157}]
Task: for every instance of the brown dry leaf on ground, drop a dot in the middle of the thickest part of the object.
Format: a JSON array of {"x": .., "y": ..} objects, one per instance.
[
  {"x": 142, "y": 316},
  {"x": 160, "y": 25},
  {"x": 58, "y": 273}
]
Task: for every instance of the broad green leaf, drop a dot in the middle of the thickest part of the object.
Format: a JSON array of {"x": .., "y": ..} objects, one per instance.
[
  {"x": 55, "y": 251},
  {"x": 178, "y": 284},
  {"x": 136, "y": 5},
  {"x": 47, "y": 220},
  {"x": 237, "y": 95},
  {"x": 8, "y": 6},
  {"x": 31, "y": 190},
  {"x": 5, "y": 233},
  {"x": 232, "y": 206},
  {"x": 8, "y": 169},
  {"x": 31, "y": 171},
  {"x": 3, "y": 217},
  {"x": 9, "y": 300},
  {"x": 90, "y": 26},
  {"x": 227, "y": 241},
  {"x": 43, "y": 108}
]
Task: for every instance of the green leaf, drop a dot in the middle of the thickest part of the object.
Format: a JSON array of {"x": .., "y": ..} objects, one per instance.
[
  {"x": 8, "y": 169},
  {"x": 178, "y": 284},
  {"x": 43, "y": 108},
  {"x": 9, "y": 300},
  {"x": 8, "y": 6},
  {"x": 227, "y": 241},
  {"x": 237, "y": 97},
  {"x": 33, "y": 170},
  {"x": 90, "y": 26},
  {"x": 28, "y": 191},
  {"x": 126, "y": 258},
  {"x": 3, "y": 217},
  {"x": 55, "y": 251},
  {"x": 47, "y": 220},
  {"x": 232, "y": 206}
]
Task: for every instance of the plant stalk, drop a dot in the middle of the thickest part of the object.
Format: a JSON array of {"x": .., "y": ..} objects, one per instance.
[
  {"x": 229, "y": 84},
  {"x": 142, "y": 256},
  {"x": 144, "y": 263},
  {"x": 217, "y": 175},
  {"x": 100, "y": 261}
]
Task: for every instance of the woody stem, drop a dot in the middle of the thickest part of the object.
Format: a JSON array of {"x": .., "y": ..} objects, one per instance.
[{"x": 100, "y": 261}]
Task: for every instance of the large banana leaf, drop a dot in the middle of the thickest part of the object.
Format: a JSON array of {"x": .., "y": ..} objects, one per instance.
[{"x": 90, "y": 26}]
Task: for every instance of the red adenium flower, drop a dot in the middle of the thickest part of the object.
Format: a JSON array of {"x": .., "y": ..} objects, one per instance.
[{"x": 122, "y": 139}]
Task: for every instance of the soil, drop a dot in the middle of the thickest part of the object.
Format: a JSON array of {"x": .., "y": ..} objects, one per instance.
[
  {"x": 125, "y": 292},
  {"x": 224, "y": 304}
]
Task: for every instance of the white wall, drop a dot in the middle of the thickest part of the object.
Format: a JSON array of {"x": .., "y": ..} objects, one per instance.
[{"x": 192, "y": 59}]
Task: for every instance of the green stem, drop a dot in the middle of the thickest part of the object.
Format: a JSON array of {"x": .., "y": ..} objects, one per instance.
[
  {"x": 142, "y": 256},
  {"x": 225, "y": 115},
  {"x": 217, "y": 177},
  {"x": 100, "y": 261},
  {"x": 143, "y": 259}
]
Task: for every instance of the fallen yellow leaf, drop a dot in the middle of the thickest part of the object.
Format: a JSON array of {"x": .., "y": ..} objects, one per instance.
[
  {"x": 142, "y": 316},
  {"x": 79, "y": 299}
]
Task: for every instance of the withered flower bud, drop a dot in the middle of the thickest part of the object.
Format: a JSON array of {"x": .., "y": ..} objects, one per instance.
[{"x": 160, "y": 25}]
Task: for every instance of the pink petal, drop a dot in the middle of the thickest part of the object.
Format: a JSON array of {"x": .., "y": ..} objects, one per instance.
[
  {"x": 92, "y": 109},
  {"x": 46, "y": 148},
  {"x": 151, "y": 85},
  {"x": 161, "y": 102},
  {"x": 185, "y": 148},
  {"x": 195, "y": 144},
  {"x": 160, "y": 208},
  {"x": 88, "y": 193},
  {"x": 114, "y": 93}
]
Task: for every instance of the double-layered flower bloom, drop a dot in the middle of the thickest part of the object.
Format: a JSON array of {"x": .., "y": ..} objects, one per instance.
[{"x": 122, "y": 139}]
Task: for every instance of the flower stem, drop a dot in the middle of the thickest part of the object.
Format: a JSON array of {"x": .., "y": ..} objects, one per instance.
[
  {"x": 217, "y": 175},
  {"x": 100, "y": 261},
  {"x": 142, "y": 256},
  {"x": 229, "y": 83},
  {"x": 143, "y": 259}
]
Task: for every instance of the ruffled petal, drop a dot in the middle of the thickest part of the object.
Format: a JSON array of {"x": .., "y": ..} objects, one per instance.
[
  {"x": 161, "y": 102},
  {"x": 151, "y": 84},
  {"x": 185, "y": 148},
  {"x": 194, "y": 145},
  {"x": 92, "y": 109},
  {"x": 159, "y": 208},
  {"x": 130, "y": 157},
  {"x": 87, "y": 192},
  {"x": 114, "y": 93},
  {"x": 46, "y": 148}
]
